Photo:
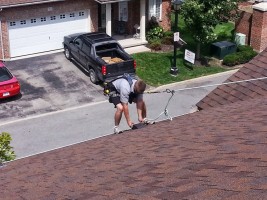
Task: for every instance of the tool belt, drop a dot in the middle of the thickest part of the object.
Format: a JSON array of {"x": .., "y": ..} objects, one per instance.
[{"x": 110, "y": 90}]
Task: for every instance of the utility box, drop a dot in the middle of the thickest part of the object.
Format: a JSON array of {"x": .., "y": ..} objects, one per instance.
[
  {"x": 221, "y": 49},
  {"x": 240, "y": 39}
]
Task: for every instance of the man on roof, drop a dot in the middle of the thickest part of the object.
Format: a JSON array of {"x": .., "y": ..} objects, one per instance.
[{"x": 123, "y": 91}]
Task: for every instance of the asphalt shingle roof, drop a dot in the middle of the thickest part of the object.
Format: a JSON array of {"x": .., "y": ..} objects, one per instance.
[
  {"x": 225, "y": 94},
  {"x": 218, "y": 153}
]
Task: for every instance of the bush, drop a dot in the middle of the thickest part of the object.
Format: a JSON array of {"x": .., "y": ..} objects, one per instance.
[
  {"x": 152, "y": 23},
  {"x": 155, "y": 33},
  {"x": 243, "y": 55},
  {"x": 231, "y": 59},
  {"x": 242, "y": 48},
  {"x": 167, "y": 40},
  {"x": 155, "y": 44},
  {"x": 168, "y": 34},
  {"x": 6, "y": 152}
]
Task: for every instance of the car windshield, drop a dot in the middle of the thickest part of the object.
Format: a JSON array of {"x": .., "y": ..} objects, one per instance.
[{"x": 5, "y": 75}]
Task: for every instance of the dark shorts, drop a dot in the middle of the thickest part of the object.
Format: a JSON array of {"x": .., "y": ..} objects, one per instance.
[{"x": 116, "y": 99}]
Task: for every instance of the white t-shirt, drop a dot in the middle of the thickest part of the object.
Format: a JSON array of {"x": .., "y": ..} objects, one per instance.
[{"x": 124, "y": 89}]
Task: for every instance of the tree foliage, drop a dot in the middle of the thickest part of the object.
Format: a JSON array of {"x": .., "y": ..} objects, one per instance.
[
  {"x": 6, "y": 152},
  {"x": 201, "y": 17}
]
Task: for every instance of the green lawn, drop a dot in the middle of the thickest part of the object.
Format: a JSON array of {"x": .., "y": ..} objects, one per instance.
[{"x": 154, "y": 68}]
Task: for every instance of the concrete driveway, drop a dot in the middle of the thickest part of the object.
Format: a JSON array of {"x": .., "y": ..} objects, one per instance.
[{"x": 48, "y": 83}]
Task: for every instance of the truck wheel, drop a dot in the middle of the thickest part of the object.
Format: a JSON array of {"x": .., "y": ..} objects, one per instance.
[
  {"x": 93, "y": 76},
  {"x": 67, "y": 53}
]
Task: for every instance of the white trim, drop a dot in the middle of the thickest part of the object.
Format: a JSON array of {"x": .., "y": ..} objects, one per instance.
[
  {"x": 108, "y": 19},
  {"x": 260, "y": 6}
]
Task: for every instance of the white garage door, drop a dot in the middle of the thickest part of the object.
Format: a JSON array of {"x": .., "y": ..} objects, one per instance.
[{"x": 29, "y": 36}]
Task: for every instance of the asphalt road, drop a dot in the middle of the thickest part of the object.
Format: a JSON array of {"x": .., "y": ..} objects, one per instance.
[
  {"x": 48, "y": 83},
  {"x": 63, "y": 127}
]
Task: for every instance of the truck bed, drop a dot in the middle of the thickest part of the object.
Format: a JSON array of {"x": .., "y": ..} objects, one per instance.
[{"x": 112, "y": 56}]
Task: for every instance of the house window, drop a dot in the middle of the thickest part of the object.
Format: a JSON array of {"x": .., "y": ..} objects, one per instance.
[
  {"x": 12, "y": 23},
  {"x": 33, "y": 21},
  {"x": 155, "y": 9},
  {"x": 43, "y": 19},
  {"x": 81, "y": 13},
  {"x": 53, "y": 18},
  {"x": 62, "y": 16},
  {"x": 123, "y": 11},
  {"x": 23, "y": 22},
  {"x": 72, "y": 15}
]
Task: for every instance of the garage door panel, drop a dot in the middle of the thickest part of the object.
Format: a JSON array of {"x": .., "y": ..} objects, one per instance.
[{"x": 44, "y": 34}]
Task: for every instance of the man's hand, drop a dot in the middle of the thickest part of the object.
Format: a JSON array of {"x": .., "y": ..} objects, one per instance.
[{"x": 130, "y": 123}]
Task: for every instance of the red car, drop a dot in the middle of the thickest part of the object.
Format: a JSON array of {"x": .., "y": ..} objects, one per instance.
[{"x": 9, "y": 85}]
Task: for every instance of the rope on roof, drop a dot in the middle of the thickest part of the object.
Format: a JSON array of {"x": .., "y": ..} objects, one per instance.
[{"x": 172, "y": 92}]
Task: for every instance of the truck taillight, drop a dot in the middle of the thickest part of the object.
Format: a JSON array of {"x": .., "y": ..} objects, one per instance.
[
  {"x": 104, "y": 70},
  {"x": 134, "y": 64}
]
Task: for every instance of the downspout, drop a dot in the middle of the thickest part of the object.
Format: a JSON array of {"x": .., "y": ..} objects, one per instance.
[{"x": 1, "y": 39}]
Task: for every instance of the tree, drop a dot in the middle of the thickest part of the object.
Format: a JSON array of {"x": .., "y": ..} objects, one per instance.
[
  {"x": 201, "y": 17},
  {"x": 6, "y": 152}
]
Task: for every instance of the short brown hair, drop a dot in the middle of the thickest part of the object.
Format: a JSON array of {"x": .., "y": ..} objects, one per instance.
[{"x": 139, "y": 86}]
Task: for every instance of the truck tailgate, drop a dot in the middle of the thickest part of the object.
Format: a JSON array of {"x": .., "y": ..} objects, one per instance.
[{"x": 117, "y": 69}]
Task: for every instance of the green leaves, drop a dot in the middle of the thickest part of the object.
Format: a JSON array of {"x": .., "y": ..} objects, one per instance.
[
  {"x": 201, "y": 16},
  {"x": 6, "y": 152}
]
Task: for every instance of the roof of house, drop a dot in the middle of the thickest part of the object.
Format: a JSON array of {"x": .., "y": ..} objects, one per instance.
[
  {"x": 218, "y": 153},
  {"x": 15, "y": 3},
  {"x": 225, "y": 94}
]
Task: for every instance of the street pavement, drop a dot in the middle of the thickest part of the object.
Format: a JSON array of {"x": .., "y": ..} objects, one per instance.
[{"x": 45, "y": 132}]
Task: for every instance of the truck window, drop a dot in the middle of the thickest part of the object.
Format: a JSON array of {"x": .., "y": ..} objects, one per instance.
[
  {"x": 109, "y": 46},
  {"x": 87, "y": 49},
  {"x": 78, "y": 42}
]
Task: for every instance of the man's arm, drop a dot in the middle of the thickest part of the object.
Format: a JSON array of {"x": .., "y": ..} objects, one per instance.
[{"x": 127, "y": 114}]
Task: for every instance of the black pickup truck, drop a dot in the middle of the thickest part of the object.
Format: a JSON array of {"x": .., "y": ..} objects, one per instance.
[{"x": 99, "y": 54}]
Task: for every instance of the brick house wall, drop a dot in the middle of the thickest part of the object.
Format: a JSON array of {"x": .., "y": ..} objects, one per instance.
[
  {"x": 259, "y": 30},
  {"x": 39, "y": 10},
  {"x": 243, "y": 25},
  {"x": 166, "y": 15},
  {"x": 253, "y": 23}
]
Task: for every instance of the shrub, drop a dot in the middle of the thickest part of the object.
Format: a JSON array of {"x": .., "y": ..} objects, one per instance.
[
  {"x": 167, "y": 40},
  {"x": 155, "y": 44},
  {"x": 6, "y": 152},
  {"x": 168, "y": 34},
  {"x": 243, "y": 55},
  {"x": 155, "y": 33},
  {"x": 152, "y": 23},
  {"x": 231, "y": 59},
  {"x": 242, "y": 48}
]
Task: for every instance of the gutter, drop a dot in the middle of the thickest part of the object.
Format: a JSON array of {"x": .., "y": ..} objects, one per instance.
[
  {"x": 27, "y": 4},
  {"x": 112, "y": 1}
]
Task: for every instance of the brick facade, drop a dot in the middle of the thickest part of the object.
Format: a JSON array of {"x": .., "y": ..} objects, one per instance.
[
  {"x": 243, "y": 25},
  {"x": 259, "y": 30},
  {"x": 253, "y": 23},
  {"x": 166, "y": 15}
]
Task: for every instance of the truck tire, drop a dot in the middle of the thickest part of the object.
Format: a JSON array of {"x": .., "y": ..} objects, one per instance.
[
  {"x": 93, "y": 76},
  {"x": 67, "y": 53}
]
